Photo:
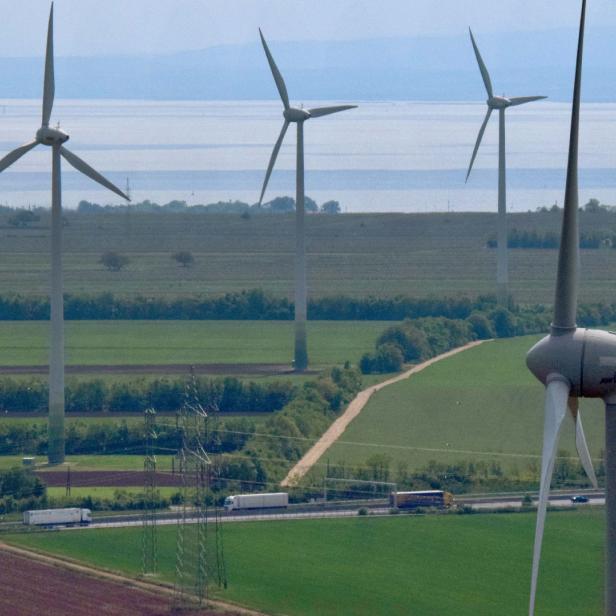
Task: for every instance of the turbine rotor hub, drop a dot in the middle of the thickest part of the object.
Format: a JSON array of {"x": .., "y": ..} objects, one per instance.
[
  {"x": 51, "y": 136},
  {"x": 562, "y": 355},
  {"x": 585, "y": 357},
  {"x": 293, "y": 114},
  {"x": 498, "y": 102}
]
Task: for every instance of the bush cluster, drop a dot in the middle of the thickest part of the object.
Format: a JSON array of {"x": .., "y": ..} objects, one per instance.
[
  {"x": 592, "y": 240},
  {"x": 264, "y": 458},
  {"x": 164, "y": 394},
  {"x": 416, "y": 340},
  {"x": 21, "y": 490},
  {"x": 459, "y": 477}
]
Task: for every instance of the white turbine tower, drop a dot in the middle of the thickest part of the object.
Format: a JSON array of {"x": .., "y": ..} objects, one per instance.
[
  {"x": 574, "y": 362},
  {"x": 499, "y": 103},
  {"x": 54, "y": 138},
  {"x": 298, "y": 116}
]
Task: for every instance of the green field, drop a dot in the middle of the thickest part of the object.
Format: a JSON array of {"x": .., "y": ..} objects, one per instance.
[
  {"x": 106, "y": 492},
  {"x": 482, "y": 404},
  {"x": 185, "y": 342},
  {"x": 95, "y": 463},
  {"x": 352, "y": 254},
  {"x": 425, "y": 566}
]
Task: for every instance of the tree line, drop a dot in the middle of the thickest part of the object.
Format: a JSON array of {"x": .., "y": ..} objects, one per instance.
[
  {"x": 256, "y": 304},
  {"x": 458, "y": 477},
  {"x": 253, "y": 304},
  {"x": 226, "y": 395},
  {"x": 550, "y": 240},
  {"x": 278, "y": 205}
]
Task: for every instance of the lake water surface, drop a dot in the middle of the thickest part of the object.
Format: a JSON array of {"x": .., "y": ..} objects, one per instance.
[{"x": 388, "y": 156}]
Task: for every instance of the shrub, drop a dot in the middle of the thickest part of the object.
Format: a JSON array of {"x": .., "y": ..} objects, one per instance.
[
  {"x": 113, "y": 261},
  {"x": 184, "y": 258},
  {"x": 127, "y": 397},
  {"x": 23, "y": 218},
  {"x": 411, "y": 341},
  {"x": 504, "y": 322},
  {"x": 481, "y": 326},
  {"x": 23, "y": 396},
  {"x": 165, "y": 395},
  {"x": 387, "y": 358},
  {"x": 85, "y": 396}
]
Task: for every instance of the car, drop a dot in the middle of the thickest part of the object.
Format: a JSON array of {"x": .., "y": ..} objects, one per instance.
[{"x": 579, "y": 499}]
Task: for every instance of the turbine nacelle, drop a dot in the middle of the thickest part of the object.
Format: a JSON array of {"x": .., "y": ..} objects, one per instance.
[
  {"x": 51, "y": 136},
  {"x": 293, "y": 114}
]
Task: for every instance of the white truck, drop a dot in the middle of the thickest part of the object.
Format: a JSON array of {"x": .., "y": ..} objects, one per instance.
[
  {"x": 256, "y": 501},
  {"x": 51, "y": 517}
]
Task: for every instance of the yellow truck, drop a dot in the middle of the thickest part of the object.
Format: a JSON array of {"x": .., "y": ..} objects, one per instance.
[{"x": 422, "y": 498}]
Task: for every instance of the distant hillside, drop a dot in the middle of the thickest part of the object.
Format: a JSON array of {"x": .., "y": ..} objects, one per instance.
[{"x": 434, "y": 68}]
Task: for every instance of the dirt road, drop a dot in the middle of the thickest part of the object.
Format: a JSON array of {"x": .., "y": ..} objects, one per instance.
[{"x": 352, "y": 411}]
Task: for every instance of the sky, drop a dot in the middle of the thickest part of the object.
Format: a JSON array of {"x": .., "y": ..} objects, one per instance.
[{"x": 104, "y": 27}]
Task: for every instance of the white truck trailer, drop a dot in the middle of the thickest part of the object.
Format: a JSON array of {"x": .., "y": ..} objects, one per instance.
[
  {"x": 256, "y": 501},
  {"x": 51, "y": 517}
]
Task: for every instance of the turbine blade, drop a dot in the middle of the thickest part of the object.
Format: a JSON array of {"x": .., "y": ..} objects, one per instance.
[
  {"x": 317, "y": 112},
  {"x": 16, "y": 154},
  {"x": 522, "y": 100},
  {"x": 482, "y": 67},
  {"x": 282, "y": 89},
  {"x": 82, "y": 166},
  {"x": 273, "y": 157},
  {"x": 556, "y": 397},
  {"x": 49, "y": 84},
  {"x": 580, "y": 441},
  {"x": 565, "y": 302},
  {"x": 478, "y": 142}
]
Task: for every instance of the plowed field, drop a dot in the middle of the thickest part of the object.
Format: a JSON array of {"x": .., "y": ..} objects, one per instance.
[
  {"x": 108, "y": 478},
  {"x": 32, "y": 588}
]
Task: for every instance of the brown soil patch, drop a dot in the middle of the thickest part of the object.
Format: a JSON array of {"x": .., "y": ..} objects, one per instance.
[
  {"x": 224, "y": 369},
  {"x": 33, "y": 585},
  {"x": 107, "y": 478}
]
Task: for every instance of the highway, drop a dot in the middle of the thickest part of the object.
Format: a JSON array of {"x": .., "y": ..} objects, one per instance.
[{"x": 338, "y": 509}]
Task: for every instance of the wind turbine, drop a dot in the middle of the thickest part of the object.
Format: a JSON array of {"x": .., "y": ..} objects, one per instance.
[
  {"x": 298, "y": 116},
  {"x": 499, "y": 103},
  {"x": 574, "y": 362},
  {"x": 54, "y": 138}
]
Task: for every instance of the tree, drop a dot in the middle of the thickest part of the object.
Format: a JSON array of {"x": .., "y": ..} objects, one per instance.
[
  {"x": 481, "y": 326},
  {"x": 113, "y": 261},
  {"x": 85, "y": 207},
  {"x": 175, "y": 206},
  {"x": 593, "y": 206},
  {"x": 23, "y": 219},
  {"x": 281, "y": 205},
  {"x": 504, "y": 323},
  {"x": 330, "y": 207},
  {"x": 184, "y": 258},
  {"x": 310, "y": 205}
]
